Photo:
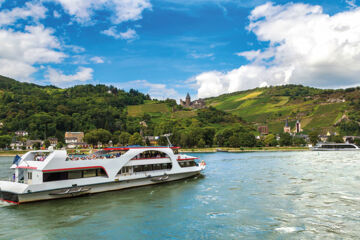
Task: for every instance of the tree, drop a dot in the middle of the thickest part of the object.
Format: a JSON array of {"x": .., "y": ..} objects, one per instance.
[
  {"x": 201, "y": 143},
  {"x": 5, "y": 141},
  {"x": 47, "y": 143},
  {"x": 336, "y": 139},
  {"x": 59, "y": 145},
  {"x": 136, "y": 139},
  {"x": 98, "y": 135},
  {"x": 247, "y": 139},
  {"x": 357, "y": 141},
  {"x": 285, "y": 139},
  {"x": 314, "y": 137},
  {"x": 299, "y": 141},
  {"x": 270, "y": 140},
  {"x": 36, "y": 145},
  {"x": 124, "y": 138}
]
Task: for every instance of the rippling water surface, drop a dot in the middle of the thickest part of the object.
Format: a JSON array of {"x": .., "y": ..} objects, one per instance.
[{"x": 281, "y": 195}]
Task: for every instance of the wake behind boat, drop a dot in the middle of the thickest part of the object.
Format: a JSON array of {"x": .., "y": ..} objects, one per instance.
[{"x": 51, "y": 174}]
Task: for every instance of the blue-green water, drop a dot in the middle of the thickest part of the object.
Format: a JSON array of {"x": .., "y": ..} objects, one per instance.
[{"x": 281, "y": 195}]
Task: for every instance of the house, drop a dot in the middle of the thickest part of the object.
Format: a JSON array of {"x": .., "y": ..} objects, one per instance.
[
  {"x": 263, "y": 130},
  {"x": 74, "y": 137},
  {"x": 21, "y": 133},
  {"x": 77, "y": 145},
  {"x": 17, "y": 145},
  {"x": 154, "y": 140},
  {"x": 30, "y": 143},
  {"x": 53, "y": 141}
]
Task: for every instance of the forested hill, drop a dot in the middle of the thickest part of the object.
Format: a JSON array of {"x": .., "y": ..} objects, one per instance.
[
  {"x": 106, "y": 113},
  {"x": 322, "y": 110},
  {"x": 50, "y": 111}
]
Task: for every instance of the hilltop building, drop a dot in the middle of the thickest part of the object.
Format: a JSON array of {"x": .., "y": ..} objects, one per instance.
[
  {"x": 287, "y": 128},
  {"x": 197, "y": 104}
]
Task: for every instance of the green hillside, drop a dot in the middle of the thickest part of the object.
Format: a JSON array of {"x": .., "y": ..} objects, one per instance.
[
  {"x": 106, "y": 113},
  {"x": 315, "y": 108}
]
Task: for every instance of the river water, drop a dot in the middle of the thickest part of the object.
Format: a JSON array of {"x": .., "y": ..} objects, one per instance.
[{"x": 267, "y": 195}]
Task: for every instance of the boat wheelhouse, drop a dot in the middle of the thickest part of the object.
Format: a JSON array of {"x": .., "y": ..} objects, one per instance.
[
  {"x": 51, "y": 174},
  {"x": 335, "y": 147}
]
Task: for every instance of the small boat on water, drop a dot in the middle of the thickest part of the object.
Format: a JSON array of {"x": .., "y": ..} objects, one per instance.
[
  {"x": 51, "y": 174},
  {"x": 335, "y": 147}
]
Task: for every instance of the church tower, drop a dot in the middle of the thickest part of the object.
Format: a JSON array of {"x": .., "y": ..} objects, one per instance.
[
  {"x": 188, "y": 100},
  {"x": 287, "y": 128}
]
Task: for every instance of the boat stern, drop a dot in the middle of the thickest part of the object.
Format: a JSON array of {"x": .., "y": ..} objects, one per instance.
[{"x": 9, "y": 191}]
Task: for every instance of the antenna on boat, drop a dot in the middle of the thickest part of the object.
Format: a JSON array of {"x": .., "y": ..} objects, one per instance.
[{"x": 167, "y": 135}]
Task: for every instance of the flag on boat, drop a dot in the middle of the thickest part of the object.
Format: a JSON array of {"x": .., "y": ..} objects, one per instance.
[{"x": 17, "y": 159}]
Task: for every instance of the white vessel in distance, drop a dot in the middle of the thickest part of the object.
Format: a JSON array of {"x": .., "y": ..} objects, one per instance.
[
  {"x": 51, "y": 174},
  {"x": 335, "y": 147}
]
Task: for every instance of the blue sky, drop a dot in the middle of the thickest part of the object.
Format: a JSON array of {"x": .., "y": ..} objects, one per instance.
[{"x": 168, "y": 47}]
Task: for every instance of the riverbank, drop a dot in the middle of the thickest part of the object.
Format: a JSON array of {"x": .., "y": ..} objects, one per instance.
[
  {"x": 255, "y": 149},
  {"x": 200, "y": 150}
]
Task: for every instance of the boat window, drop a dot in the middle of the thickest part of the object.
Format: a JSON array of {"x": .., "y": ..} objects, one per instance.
[
  {"x": 76, "y": 174},
  {"x": 187, "y": 164},
  {"x": 150, "y": 155},
  {"x": 29, "y": 175}
]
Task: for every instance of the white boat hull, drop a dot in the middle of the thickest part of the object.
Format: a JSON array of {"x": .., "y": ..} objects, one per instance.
[{"x": 98, "y": 188}]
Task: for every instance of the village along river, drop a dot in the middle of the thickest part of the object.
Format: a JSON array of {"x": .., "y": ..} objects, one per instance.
[{"x": 261, "y": 195}]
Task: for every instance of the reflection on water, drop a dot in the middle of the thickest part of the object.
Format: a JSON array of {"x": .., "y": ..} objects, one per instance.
[{"x": 242, "y": 195}]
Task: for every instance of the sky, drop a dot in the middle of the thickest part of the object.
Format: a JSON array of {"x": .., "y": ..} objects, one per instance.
[{"x": 170, "y": 47}]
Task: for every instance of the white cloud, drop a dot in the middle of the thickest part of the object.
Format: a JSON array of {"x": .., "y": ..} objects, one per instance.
[
  {"x": 30, "y": 10},
  {"x": 19, "y": 51},
  {"x": 123, "y": 10},
  {"x": 60, "y": 79},
  {"x": 155, "y": 90},
  {"x": 97, "y": 60},
  {"x": 128, "y": 35},
  {"x": 16, "y": 69},
  {"x": 306, "y": 46}
]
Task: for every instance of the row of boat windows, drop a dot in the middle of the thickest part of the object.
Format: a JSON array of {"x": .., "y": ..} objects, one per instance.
[
  {"x": 150, "y": 154},
  {"x": 337, "y": 146},
  {"x": 57, "y": 176},
  {"x": 145, "y": 168}
]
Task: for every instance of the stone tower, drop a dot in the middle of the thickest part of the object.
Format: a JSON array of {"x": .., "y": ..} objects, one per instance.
[
  {"x": 298, "y": 127},
  {"x": 187, "y": 100},
  {"x": 287, "y": 128}
]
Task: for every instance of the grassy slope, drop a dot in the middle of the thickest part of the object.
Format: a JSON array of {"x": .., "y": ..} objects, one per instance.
[{"x": 260, "y": 106}]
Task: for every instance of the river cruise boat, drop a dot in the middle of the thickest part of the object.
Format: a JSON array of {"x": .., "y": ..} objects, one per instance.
[
  {"x": 51, "y": 174},
  {"x": 335, "y": 147}
]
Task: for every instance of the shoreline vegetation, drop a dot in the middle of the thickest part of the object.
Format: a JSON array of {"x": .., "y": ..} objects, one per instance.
[{"x": 12, "y": 153}]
